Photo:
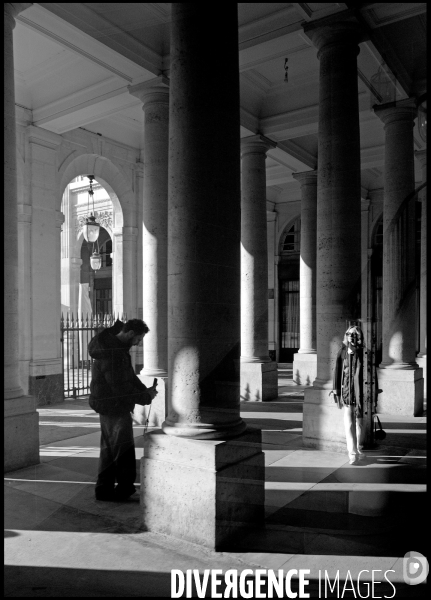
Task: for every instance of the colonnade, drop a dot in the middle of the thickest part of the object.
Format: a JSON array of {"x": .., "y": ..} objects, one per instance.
[{"x": 214, "y": 269}]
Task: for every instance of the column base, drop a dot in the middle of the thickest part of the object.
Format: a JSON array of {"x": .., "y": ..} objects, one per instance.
[
  {"x": 46, "y": 381},
  {"x": 159, "y": 407},
  {"x": 323, "y": 424},
  {"x": 258, "y": 381},
  {"x": 203, "y": 491},
  {"x": 402, "y": 392},
  {"x": 422, "y": 362},
  {"x": 21, "y": 433},
  {"x": 304, "y": 368}
]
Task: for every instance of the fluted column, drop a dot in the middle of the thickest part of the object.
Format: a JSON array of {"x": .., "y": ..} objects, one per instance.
[
  {"x": 305, "y": 361},
  {"x": 400, "y": 378},
  {"x": 421, "y": 359},
  {"x": 197, "y": 483},
  {"x": 258, "y": 379},
  {"x": 338, "y": 263},
  {"x": 154, "y": 95},
  {"x": 21, "y": 434}
]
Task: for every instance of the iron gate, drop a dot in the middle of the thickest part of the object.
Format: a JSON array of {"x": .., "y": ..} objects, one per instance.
[{"x": 76, "y": 332}]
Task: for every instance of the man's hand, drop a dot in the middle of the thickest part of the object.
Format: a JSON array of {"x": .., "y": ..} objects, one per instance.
[{"x": 152, "y": 391}]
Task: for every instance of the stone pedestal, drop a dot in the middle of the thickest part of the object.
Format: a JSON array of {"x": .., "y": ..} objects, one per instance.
[
  {"x": 205, "y": 492},
  {"x": 324, "y": 422},
  {"x": 304, "y": 368},
  {"x": 338, "y": 263},
  {"x": 402, "y": 392},
  {"x": 21, "y": 433},
  {"x": 258, "y": 381}
]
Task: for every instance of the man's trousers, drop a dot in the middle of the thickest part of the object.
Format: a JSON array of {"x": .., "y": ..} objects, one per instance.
[{"x": 117, "y": 462}]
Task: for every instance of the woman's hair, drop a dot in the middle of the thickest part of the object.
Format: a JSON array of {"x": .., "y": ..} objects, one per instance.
[
  {"x": 136, "y": 325},
  {"x": 358, "y": 331}
]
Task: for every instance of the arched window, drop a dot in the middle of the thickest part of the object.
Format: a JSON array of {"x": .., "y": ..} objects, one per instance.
[{"x": 292, "y": 239}]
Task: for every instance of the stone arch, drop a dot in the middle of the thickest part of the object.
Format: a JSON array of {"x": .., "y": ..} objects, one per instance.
[
  {"x": 109, "y": 176},
  {"x": 124, "y": 237},
  {"x": 284, "y": 230}
]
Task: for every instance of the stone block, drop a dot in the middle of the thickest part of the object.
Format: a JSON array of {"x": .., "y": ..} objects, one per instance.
[
  {"x": 203, "y": 491},
  {"x": 47, "y": 389},
  {"x": 21, "y": 436},
  {"x": 402, "y": 392},
  {"x": 258, "y": 381},
  {"x": 304, "y": 368},
  {"x": 323, "y": 424}
]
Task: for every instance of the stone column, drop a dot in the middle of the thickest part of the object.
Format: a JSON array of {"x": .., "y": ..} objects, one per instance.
[
  {"x": 338, "y": 263},
  {"x": 155, "y": 98},
  {"x": 46, "y": 372},
  {"x": 271, "y": 223},
  {"x": 24, "y": 296},
  {"x": 258, "y": 374},
  {"x": 21, "y": 420},
  {"x": 421, "y": 359},
  {"x": 305, "y": 360},
  {"x": 202, "y": 476},
  {"x": 124, "y": 271},
  {"x": 400, "y": 377}
]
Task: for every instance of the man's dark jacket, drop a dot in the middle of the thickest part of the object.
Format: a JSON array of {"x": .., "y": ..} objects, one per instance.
[{"x": 114, "y": 387}]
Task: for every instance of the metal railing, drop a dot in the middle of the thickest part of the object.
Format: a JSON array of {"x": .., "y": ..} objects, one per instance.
[{"x": 76, "y": 333}]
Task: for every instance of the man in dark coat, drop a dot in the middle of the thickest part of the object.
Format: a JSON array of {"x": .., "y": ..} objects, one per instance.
[{"x": 114, "y": 391}]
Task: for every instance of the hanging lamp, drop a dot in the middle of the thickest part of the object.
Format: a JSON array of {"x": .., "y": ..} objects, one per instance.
[
  {"x": 91, "y": 228},
  {"x": 421, "y": 103}
]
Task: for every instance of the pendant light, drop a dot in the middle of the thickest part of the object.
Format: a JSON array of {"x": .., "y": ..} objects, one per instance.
[
  {"x": 422, "y": 116},
  {"x": 91, "y": 228}
]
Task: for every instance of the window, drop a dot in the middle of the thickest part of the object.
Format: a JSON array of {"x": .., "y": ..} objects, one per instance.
[
  {"x": 292, "y": 239},
  {"x": 105, "y": 253}
]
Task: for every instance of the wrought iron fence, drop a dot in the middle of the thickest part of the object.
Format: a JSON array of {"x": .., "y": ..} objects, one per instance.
[{"x": 76, "y": 332}]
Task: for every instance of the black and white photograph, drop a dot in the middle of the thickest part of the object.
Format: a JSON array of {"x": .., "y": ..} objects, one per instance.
[{"x": 215, "y": 300}]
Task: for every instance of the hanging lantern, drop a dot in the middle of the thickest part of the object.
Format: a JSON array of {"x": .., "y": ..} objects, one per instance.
[
  {"x": 422, "y": 116},
  {"x": 91, "y": 228},
  {"x": 95, "y": 261}
]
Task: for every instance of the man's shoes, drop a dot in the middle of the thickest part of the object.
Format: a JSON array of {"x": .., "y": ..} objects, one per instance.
[
  {"x": 116, "y": 495},
  {"x": 122, "y": 494}
]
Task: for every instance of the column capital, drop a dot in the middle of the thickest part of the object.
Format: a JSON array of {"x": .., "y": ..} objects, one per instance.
[
  {"x": 12, "y": 10},
  {"x": 154, "y": 91},
  {"x": 392, "y": 112},
  {"x": 256, "y": 144},
  {"x": 306, "y": 177},
  {"x": 340, "y": 29},
  {"x": 365, "y": 204},
  {"x": 421, "y": 156},
  {"x": 43, "y": 137}
]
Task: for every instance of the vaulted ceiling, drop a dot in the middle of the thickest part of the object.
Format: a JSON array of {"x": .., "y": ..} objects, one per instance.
[{"x": 75, "y": 61}]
